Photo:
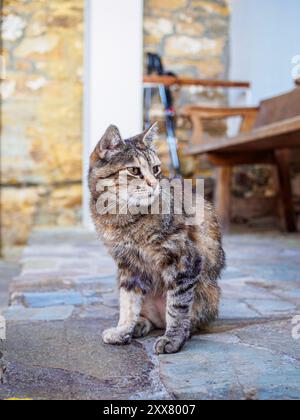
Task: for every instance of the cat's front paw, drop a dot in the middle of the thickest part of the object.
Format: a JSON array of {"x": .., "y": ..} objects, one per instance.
[
  {"x": 117, "y": 336},
  {"x": 169, "y": 345},
  {"x": 142, "y": 328}
]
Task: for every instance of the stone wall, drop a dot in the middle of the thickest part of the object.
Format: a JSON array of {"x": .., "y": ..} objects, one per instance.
[
  {"x": 41, "y": 147},
  {"x": 192, "y": 36}
]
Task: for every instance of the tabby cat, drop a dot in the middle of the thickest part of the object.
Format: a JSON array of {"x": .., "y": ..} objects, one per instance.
[{"x": 168, "y": 269}]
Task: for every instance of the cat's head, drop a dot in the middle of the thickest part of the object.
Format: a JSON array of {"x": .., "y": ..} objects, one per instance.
[{"x": 131, "y": 167}]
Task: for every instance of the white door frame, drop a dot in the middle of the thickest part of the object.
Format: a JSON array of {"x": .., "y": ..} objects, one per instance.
[{"x": 113, "y": 89}]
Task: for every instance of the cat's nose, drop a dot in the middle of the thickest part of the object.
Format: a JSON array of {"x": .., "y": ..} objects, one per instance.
[{"x": 152, "y": 182}]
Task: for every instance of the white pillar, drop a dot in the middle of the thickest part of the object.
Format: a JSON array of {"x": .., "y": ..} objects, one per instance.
[{"x": 113, "y": 72}]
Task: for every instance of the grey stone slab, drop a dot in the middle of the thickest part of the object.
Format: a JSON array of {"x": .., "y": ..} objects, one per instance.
[
  {"x": 232, "y": 290},
  {"x": 289, "y": 294},
  {"x": 272, "y": 307},
  {"x": 235, "y": 309},
  {"x": 233, "y": 273},
  {"x": 111, "y": 301},
  {"x": 274, "y": 286},
  {"x": 38, "y": 282},
  {"x": 96, "y": 280},
  {"x": 39, "y": 264},
  {"x": 275, "y": 336},
  {"x": 69, "y": 361},
  {"x": 47, "y": 299},
  {"x": 99, "y": 312},
  {"x": 218, "y": 371},
  {"x": 280, "y": 273},
  {"x": 62, "y": 235},
  {"x": 227, "y": 338},
  {"x": 21, "y": 314},
  {"x": 58, "y": 384}
]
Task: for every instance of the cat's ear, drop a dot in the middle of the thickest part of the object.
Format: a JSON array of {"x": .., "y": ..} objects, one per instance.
[
  {"x": 110, "y": 144},
  {"x": 149, "y": 135}
]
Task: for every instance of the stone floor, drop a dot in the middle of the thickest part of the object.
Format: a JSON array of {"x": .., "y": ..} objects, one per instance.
[{"x": 65, "y": 297}]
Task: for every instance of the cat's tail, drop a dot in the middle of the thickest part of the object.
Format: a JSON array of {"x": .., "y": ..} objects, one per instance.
[{"x": 206, "y": 306}]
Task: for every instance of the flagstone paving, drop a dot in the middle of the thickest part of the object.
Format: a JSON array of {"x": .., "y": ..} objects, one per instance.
[{"x": 66, "y": 296}]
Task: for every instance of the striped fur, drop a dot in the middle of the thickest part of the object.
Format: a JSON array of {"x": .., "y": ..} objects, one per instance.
[{"x": 168, "y": 270}]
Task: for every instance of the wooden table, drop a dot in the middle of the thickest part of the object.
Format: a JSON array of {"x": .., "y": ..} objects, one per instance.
[{"x": 269, "y": 134}]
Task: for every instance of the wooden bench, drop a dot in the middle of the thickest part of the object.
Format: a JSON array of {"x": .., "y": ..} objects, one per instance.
[{"x": 267, "y": 135}]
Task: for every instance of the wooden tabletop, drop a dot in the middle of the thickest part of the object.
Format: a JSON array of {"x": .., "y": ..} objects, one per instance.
[
  {"x": 280, "y": 135},
  {"x": 183, "y": 81}
]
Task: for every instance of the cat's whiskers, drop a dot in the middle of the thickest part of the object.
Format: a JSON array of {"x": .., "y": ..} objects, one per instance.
[
  {"x": 107, "y": 209},
  {"x": 126, "y": 204}
]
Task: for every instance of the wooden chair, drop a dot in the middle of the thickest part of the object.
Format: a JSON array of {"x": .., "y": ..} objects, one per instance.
[{"x": 267, "y": 135}]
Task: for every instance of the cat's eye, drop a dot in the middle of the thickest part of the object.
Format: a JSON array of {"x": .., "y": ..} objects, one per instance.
[
  {"x": 134, "y": 171},
  {"x": 156, "y": 169}
]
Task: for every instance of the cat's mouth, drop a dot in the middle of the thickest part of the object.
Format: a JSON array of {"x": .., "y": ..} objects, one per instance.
[
  {"x": 143, "y": 198},
  {"x": 139, "y": 197},
  {"x": 144, "y": 194}
]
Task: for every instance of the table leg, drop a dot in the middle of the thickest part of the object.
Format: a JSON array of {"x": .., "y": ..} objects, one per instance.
[{"x": 166, "y": 99}]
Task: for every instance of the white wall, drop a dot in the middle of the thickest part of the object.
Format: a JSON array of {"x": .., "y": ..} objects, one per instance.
[
  {"x": 113, "y": 72},
  {"x": 265, "y": 35}
]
